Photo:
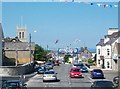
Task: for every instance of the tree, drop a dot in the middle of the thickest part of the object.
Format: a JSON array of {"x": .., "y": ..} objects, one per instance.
[
  {"x": 67, "y": 57},
  {"x": 90, "y": 61},
  {"x": 40, "y": 54}
]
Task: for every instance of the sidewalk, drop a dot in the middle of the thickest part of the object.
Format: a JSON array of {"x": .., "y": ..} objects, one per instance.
[
  {"x": 26, "y": 75},
  {"x": 95, "y": 67}
]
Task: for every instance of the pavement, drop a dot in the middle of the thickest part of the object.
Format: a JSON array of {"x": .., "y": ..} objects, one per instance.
[
  {"x": 26, "y": 75},
  {"x": 95, "y": 67}
]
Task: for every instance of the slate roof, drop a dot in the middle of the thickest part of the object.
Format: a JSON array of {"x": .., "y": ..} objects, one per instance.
[
  {"x": 112, "y": 37},
  {"x": 119, "y": 48},
  {"x": 11, "y": 46},
  {"x": 101, "y": 43}
]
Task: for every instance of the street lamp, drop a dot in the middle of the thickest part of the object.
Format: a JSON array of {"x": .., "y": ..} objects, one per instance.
[
  {"x": 16, "y": 57},
  {"x": 30, "y": 46}
]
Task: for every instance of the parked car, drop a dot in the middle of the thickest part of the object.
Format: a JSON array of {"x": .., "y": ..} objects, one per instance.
[
  {"x": 49, "y": 66},
  {"x": 56, "y": 63},
  {"x": 116, "y": 80},
  {"x": 13, "y": 84},
  {"x": 41, "y": 71},
  {"x": 103, "y": 84},
  {"x": 97, "y": 73},
  {"x": 50, "y": 75},
  {"x": 83, "y": 69},
  {"x": 75, "y": 73}
]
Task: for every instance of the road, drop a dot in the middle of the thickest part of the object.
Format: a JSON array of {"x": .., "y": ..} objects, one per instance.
[{"x": 64, "y": 80}]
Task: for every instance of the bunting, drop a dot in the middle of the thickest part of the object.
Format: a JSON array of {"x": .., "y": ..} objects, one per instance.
[
  {"x": 93, "y": 3},
  {"x": 105, "y": 5}
]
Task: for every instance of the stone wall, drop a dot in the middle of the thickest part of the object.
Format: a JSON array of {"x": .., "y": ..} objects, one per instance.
[
  {"x": 21, "y": 56},
  {"x": 16, "y": 70}
]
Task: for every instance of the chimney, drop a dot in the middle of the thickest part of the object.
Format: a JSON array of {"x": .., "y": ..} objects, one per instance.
[{"x": 102, "y": 40}]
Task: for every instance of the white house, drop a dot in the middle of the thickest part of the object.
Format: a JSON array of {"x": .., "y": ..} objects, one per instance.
[{"x": 105, "y": 49}]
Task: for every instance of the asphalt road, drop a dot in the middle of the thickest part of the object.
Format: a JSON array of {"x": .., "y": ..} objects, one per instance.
[{"x": 64, "y": 80}]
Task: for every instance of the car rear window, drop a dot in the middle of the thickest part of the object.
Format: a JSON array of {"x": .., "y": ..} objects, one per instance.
[
  {"x": 50, "y": 72},
  {"x": 12, "y": 84},
  {"x": 76, "y": 70},
  {"x": 97, "y": 70}
]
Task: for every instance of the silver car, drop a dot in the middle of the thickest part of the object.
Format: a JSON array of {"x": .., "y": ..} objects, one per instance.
[{"x": 50, "y": 75}]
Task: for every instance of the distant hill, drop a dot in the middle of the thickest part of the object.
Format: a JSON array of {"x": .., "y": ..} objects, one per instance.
[{"x": 92, "y": 50}]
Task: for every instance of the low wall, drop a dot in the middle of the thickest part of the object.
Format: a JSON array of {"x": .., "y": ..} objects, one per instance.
[{"x": 16, "y": 70}]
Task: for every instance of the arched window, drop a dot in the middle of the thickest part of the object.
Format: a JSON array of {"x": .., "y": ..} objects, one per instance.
[{"x": 19, "y": 34}]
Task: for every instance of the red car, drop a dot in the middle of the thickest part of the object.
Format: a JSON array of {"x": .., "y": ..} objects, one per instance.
[
  {"x": 75, "y": 73},
  {"x": 57, "y": 63}
]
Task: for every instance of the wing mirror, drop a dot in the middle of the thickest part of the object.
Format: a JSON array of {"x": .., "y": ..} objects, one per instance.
[{"x": 24, "y": 84}]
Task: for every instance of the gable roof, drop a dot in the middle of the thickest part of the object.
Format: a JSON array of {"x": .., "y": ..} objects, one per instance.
[{"x": 113, "y": 37}]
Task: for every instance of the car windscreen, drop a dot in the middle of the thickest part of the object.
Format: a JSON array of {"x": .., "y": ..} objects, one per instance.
[{"x": 78, "y": 65}]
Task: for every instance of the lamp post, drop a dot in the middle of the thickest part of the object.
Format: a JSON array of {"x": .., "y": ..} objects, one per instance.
[
  {"x": 16, "y": 57},
  {"x": 30, "y": 46}
]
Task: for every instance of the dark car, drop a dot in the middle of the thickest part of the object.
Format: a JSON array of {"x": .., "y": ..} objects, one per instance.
[
  {"x": 103, "y": 85},
  {"x": 78, "y": 65},
  {"x": 41, "y": 71},
  {"x": 49, "y": 66},
  {"x": 97, "y": 73},
  {"x": 13, "y": 84},
  {"x": 116, "y": 80},
  {"x": 83, "y": 69}
]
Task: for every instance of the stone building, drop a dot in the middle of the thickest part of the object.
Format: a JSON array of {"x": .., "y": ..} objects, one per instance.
[
  {"x": 85, "y": 53},
  {"x": 106, "y": 50},
  {"x": 17, "y": 50}
]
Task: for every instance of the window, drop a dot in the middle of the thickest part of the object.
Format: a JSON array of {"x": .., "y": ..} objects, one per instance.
[
  {"x": 108, "y": 52},
  {"x": 98, "y": 51},
  {"x": 22, "y": 34},
  {"x": 98, "y": 61},
  {"x": 108, "y": 65},
  {"x": 19, "y": 34}
]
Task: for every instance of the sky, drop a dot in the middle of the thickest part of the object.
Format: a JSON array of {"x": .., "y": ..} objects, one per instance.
[{"x": 72, "y": 24}]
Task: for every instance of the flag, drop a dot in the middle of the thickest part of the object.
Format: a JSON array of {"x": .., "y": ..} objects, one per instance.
[
  {"x": 72, "y": 0},
  {"x": 99, "y": 5},
  {"x": 115, "y": 5},
  {"x": 91, "y": 3},
  {"x": 56, "y": 41},
  {"x": 104, "y": 5},
  {"x": 110, "y": 5}
]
